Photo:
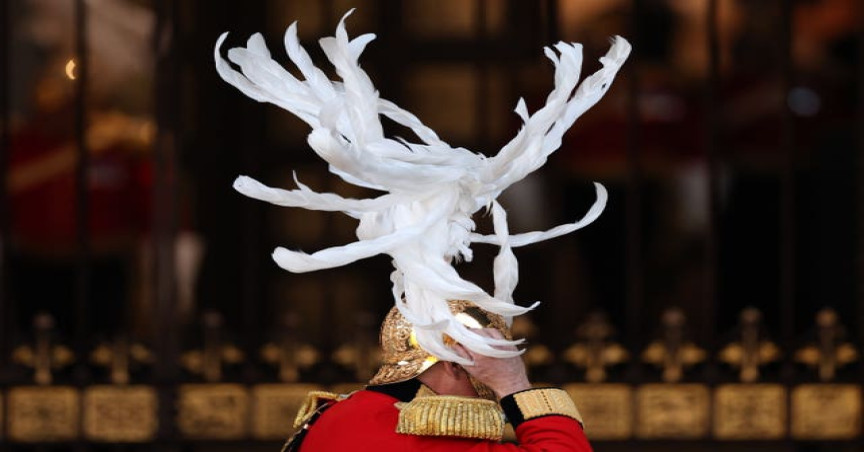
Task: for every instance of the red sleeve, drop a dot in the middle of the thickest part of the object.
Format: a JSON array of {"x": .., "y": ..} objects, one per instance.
[{"x": 552, "y": 433}]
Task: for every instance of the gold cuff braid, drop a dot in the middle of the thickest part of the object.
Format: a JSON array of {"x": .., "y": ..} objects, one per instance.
[
  {"x": 463, "y": 417},
  {"x": 544, "y": 402}
]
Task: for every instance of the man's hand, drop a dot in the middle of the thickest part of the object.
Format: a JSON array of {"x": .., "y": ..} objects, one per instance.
[{"x": 503, "y": 375}]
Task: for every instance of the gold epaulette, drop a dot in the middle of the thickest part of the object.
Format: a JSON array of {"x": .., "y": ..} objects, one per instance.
[
  {"x": 313, "y": 401},
  {"x": 462, "y": 417}
]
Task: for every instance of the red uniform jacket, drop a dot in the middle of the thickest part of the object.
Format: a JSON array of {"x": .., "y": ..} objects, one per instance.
[{"x": 366, "y": 421}]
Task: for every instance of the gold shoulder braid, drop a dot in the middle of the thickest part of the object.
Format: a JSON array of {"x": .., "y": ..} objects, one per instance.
[
  {"x": 544, "y": 402},
  {"x": 315, "y": 404},
  {"x": 313, "y": 401},
  {"x": 463, "y": 417}
]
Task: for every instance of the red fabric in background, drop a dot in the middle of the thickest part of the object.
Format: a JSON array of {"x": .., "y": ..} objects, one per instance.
[{"x": 44, "y": 213}]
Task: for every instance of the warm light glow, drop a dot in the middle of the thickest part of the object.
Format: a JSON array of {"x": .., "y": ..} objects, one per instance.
[
  {"x": 70, "y": 69},
  {"x": 147, "y": 131}
]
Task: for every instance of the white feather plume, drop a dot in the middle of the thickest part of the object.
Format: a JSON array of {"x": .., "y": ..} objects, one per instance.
[{"x": 432, "y": 189}]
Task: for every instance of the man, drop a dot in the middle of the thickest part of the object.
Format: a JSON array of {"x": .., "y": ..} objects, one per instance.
[
  {"x": 417, "y": 402},
  {"x": 439, "y": 353}
]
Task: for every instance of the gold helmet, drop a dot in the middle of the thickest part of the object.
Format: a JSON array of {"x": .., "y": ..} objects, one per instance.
[{"x": 403, "y": 359}]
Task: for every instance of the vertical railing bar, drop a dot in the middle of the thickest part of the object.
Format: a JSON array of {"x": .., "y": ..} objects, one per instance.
[
  {"x": 859, "y": 142},
  {"x": 6, "y": 323},
  {"x": 164, "y": 217},
  {"x": 787, "y": 225},
  {"x": 560, "y": 316},
  {"x": 156, "y": 217},
  {"x": 5, "y": 215},
  {"x": 633, "y": 215},
  {"x": 82, "y": 212},
  {"x": 328, "y": 341},
  {"x": 712, "y": 138},
  {"x": 634, "y": 302},
  {"x": 252, "y": 226},
  {"x": 82, "y": 204},
  {"x": 788, "y": 230},
  {"x": 252, "y": 279},
  {"x": 712, "y": 157}
]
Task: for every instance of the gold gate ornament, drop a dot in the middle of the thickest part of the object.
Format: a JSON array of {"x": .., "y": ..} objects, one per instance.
[
  {"x": 119, "y": 412},
  {"x": 275, "y": 405},
  {"x": 672, "y": 353},
  {"x": 212, "y": 411},
  {"x": 606, "y": 407},
  {"x": 672, "y": 411},
  {"x": 43, "y": 413},
  {"x": 826, "y": 410},
  {"x": 750, "y": 410}
]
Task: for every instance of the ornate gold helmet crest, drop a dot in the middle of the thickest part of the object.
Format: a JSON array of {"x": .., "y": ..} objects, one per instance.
[{"x": 402, "y": 357}]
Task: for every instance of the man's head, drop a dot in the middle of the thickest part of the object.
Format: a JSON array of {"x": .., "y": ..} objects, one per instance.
[{"x": 403, "y": 359}]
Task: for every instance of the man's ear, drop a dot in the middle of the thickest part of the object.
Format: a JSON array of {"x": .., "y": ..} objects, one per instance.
[{"x": 455, "y": 371}]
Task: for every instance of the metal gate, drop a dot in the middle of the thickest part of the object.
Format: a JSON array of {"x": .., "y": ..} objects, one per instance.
[{"x": 717, "y": 304}]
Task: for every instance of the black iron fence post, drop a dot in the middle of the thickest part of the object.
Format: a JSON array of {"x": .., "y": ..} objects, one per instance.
[
  {"x": 5, "y": 216},
  {"x": 82, "y": 198},
  {"x": 635, "y": 302},
  {"x": 164, "y": 217}
]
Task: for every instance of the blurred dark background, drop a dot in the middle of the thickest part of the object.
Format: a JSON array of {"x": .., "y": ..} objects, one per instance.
[{"x": 731, "y": 145}]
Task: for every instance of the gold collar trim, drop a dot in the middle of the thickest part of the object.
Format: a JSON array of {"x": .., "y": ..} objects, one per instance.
[{"x": 462, "y": 417}]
